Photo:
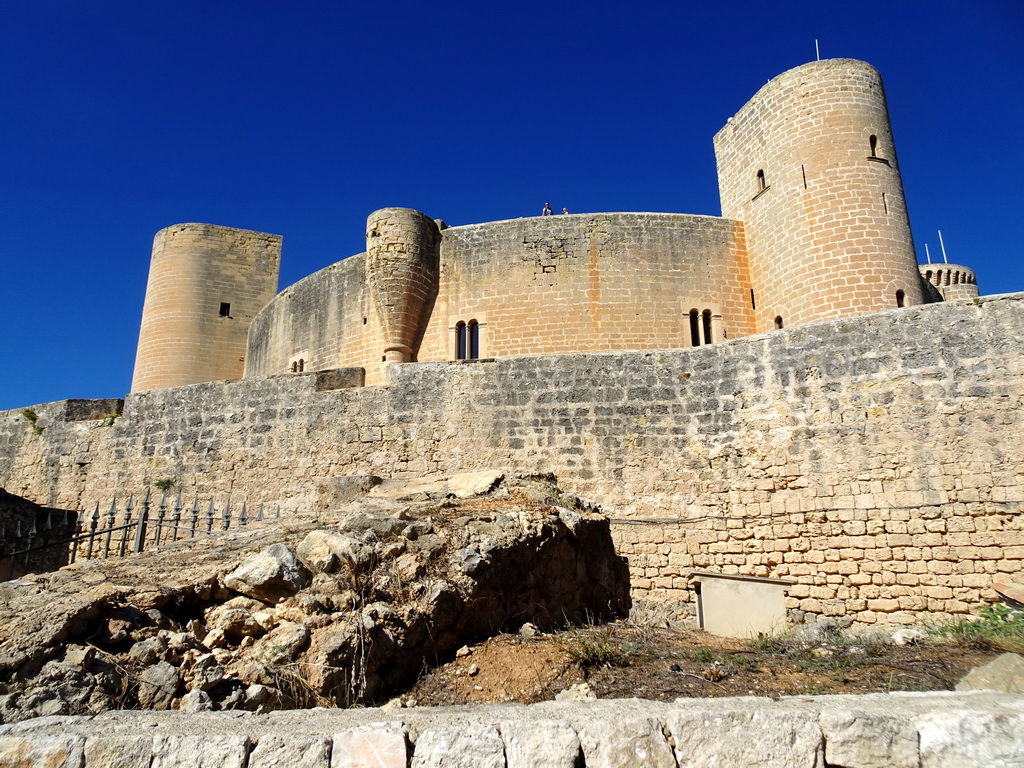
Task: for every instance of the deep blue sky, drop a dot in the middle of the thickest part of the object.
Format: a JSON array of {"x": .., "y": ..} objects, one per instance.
[{"x": 120, "y": 117}]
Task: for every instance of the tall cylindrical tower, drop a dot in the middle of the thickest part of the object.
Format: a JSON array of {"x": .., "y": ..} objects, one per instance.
[
  {"x": 402, "y": 257},
  {"x": 206, "y": 283},
  {"x": 809, "y": 166}
]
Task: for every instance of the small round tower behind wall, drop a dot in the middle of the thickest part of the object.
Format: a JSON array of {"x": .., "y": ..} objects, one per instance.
[
  {"x": 402, "y": 257},
  {"x": 809, "y": 166},
  {"x": 952, "y": 281},
  {"x": 206, "y": 283}
]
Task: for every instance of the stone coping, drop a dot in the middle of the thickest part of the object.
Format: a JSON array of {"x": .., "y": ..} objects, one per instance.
[{"x": 900, "y": 729}]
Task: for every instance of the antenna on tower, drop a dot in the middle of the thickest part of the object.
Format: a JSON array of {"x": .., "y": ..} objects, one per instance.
[
  {"x": 817, "y": 53},
  {"x": 927, "y": 253},
  {"x": 943, "y": 245}
]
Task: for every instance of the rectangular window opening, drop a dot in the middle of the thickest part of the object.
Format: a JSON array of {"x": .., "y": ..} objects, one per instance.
[{"x": 225, "y": 309}]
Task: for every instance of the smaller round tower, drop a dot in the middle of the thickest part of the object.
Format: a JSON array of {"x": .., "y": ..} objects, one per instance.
[
  {"x": 402, "y": 258},
  {"x": 952, "y": 281},
  {"x": 206, "y": 283}
]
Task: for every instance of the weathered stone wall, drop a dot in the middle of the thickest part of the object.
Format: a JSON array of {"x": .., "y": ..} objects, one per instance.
[
  {"x": 875, "y": 461},
  {"x": 936, "y": 730},
  {"x": 826, "y": 225},
  {"x": 543, "y": 285},
  {"x": 206, "y": 283}
]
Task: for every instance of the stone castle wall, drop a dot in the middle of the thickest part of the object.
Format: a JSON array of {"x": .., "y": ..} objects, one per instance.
[
  {"x": 826, "y": 224},
  {"x": 206, "y": 283},
  {"x": 874, "y": 461},
  {"x": 544, "y": 285}
]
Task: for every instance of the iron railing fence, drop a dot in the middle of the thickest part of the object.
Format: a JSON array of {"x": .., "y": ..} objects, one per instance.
[{"x": 66, "y": 535}]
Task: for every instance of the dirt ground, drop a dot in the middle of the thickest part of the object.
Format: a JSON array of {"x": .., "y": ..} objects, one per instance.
[{"x": 621, "y": 660}]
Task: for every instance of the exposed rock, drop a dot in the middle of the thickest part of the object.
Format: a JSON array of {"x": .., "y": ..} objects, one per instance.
[
  {"x": 577, "y": 692},
  {"x": 468, "y": 484},
  {"x": 436, "y": 574},
  {"x": 206, "y": 673},
  {"x": 282, "y": 645},
  {"x": 1004, "y": 673},
  {"x": 271, "y": 576},
  {"x": 324, "y": 551},
  {"x": 196, "y": 700},
  {"x": 908, "y": 636},
  {"x": 158, "y": 685}
]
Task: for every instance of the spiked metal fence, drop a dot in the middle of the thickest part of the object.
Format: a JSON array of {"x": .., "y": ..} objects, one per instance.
[{"x": 64, "y": 536}]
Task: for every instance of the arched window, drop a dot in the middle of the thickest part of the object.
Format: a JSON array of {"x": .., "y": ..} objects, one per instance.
[
  {"x": 461, "y": 339},
  {"x": 873, "y": 141},
  {"x": 705, "y": 327},
  {"x": 778, "y": 322},
  {"x": 762, "y": 185},
  {"x": 474, "y": 340},
  {"x": 694, "y": 328},
  {"x": 928, "y": 275},
  {"x": 899, "y": 298},
  {"x": 467, "y": 340}
]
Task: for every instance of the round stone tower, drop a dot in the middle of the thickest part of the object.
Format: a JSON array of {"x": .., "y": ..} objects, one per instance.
[
  {"x": 809, "y": 166},
  {"x": 402, "y": 258},
  {"x": 205, "y": 285},
  {"x": 952, "y": 281}
]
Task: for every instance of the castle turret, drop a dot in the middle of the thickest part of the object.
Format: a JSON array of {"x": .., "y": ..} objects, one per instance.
[
  {"x": 952, "y": 281},
  {"x": 205, "y": 285},
  {"x": 809, "y": 166},
  {"x": 402, "y": 257}
]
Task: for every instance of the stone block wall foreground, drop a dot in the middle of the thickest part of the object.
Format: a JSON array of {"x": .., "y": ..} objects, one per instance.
[
  {"x": 941, "y": 730},
  {"x": 876, "y": 462}
]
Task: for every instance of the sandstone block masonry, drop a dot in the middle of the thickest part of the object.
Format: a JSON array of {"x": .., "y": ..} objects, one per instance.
[
  {"x": 899, "y": 731},
  {"x": 875, "y": 461},
  {"x": 205, "y": 285}
]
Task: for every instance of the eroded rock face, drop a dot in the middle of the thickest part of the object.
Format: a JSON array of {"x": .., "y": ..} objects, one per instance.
[{"x": 338, "y": 610}]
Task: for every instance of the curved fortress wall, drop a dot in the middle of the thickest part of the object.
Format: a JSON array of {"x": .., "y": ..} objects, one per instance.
[
  {"x": 544, "y": 285},
  {"x": 206, "y": 283},
  {"x": 809, "y": 166}
]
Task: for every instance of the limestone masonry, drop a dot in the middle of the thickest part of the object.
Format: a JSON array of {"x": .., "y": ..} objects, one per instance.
[
  {"x": 781, "y": 392},
  {"x": 815, "y": 228}
]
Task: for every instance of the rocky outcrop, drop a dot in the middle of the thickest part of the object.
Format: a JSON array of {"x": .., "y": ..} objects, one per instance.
[{"x": 327, "y": 610}]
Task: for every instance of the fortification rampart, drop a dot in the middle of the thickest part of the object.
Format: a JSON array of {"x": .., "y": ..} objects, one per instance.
[
  {"x": 544, "y": 285},
  {"x": 874, "y": 461}
]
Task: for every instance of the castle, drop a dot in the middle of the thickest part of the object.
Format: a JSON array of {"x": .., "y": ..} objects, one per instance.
[
  {"x": 814, "y": 227},
  {"x": 778, "y": 393}
]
